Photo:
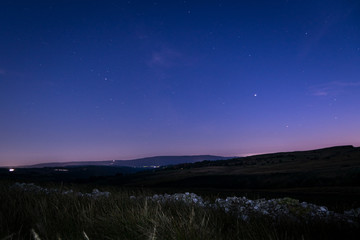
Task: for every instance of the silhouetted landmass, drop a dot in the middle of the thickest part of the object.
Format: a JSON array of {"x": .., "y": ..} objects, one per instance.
[
  {"x": 335, "y": 166},
  {"x": 94, "y": 171},
  {"x": 141, "y": 162},
  {"x": 329, "y": 174},
  {"x": 67, "y": 174}
]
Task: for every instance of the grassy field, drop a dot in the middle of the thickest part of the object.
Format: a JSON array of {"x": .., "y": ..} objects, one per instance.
[{"x": 128, "y": 214}]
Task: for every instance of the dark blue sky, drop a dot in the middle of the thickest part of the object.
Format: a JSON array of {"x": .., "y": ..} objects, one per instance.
[{"x": 98, "y": 80}]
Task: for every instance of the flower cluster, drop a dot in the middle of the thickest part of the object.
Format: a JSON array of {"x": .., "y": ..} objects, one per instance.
[
  {"x": 245, "y": 209},
  {"x": 31, "y": 187}
]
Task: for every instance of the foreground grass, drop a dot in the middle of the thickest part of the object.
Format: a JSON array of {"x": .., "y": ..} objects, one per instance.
[{"x": 31, "y": 215}]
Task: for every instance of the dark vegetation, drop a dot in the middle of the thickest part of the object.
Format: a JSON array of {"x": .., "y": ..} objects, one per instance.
[
  {"x": 329, "y": 177},
  {"x": 32, "y": 215}
]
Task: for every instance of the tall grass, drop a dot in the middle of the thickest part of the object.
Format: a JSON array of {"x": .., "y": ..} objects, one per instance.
[{"x": 29, "y": 215}]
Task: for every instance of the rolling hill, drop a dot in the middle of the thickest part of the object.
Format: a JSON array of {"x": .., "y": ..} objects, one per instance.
[{"x": 335, "y": 166}]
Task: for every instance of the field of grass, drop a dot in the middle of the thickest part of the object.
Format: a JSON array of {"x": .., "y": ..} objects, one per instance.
[{"x": 128, "y": 214}]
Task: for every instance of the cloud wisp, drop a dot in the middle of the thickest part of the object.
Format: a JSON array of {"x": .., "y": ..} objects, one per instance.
[
  {"x": 333, "y": 88},
  {"x": 165, "y": 58}
]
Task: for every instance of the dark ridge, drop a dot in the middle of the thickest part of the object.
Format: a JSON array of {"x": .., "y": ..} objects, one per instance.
[{"x": 141, "y": 162}]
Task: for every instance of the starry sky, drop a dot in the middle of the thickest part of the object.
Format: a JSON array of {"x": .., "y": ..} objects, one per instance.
[{"x": 100, "y": 80}]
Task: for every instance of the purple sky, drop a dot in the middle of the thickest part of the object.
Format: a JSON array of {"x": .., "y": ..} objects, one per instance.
[{"x": 100, "y": 80}]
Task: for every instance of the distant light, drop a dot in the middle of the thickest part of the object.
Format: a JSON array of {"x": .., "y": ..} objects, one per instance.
[
  {"x": 11, "y": 169},
  {"x": 255, "y": 95},
  {"x": 61, "y": 170}
]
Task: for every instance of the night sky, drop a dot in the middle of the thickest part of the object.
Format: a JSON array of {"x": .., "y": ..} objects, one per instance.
[{"x": 101, "y": 80}]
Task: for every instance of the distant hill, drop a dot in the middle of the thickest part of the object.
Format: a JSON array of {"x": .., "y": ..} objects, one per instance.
[
  {"x": 151, "y": 162},
  {"x": 334, "y": 166}
]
